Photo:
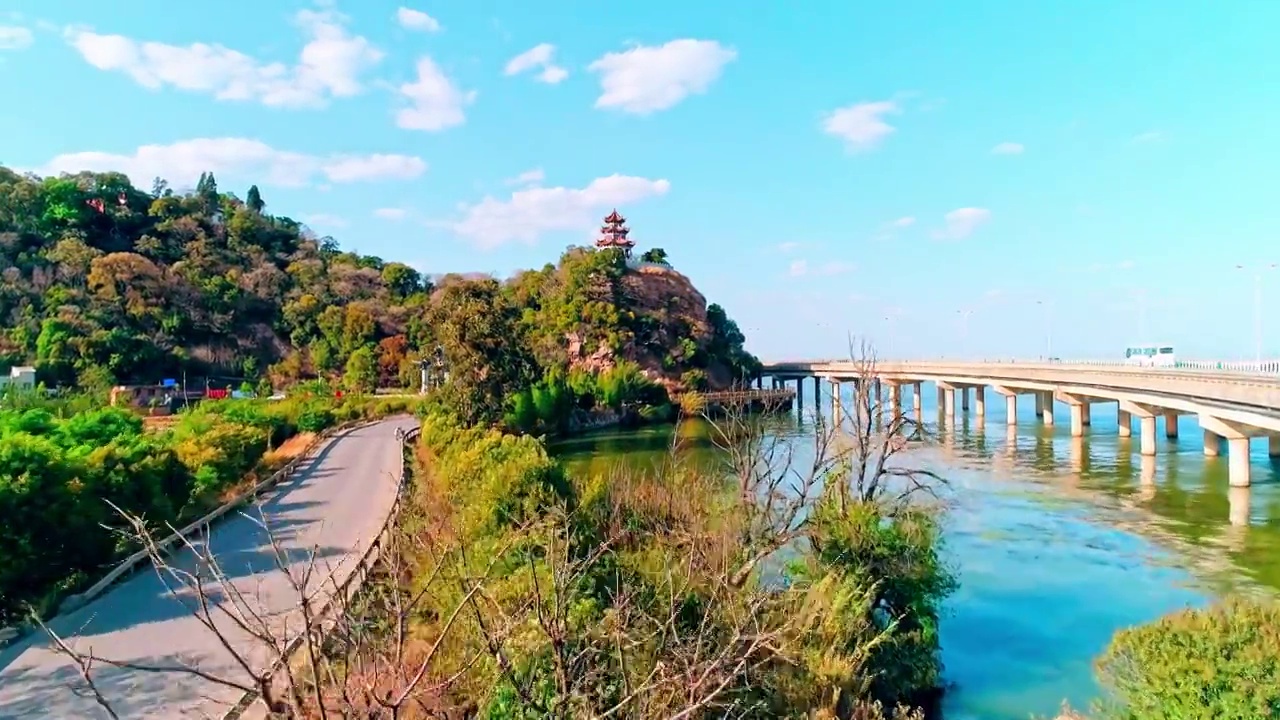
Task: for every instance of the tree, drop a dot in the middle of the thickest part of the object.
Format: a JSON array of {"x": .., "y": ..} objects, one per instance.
[
  {"x": 484, "y": 349},
  {"x": 362, "y": 371},
  {"x": 254, "y": 200},
  {"x": 654, "y": 255}
]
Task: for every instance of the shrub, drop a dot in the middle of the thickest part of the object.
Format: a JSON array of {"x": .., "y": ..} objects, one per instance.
[{"x": 1216, "y": 663}]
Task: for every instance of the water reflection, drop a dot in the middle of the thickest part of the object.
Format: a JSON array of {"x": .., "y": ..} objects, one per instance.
[{"x": 1059, "y": 540}]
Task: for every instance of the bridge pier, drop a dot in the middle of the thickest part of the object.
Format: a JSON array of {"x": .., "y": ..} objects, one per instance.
[
  {"x": 1171, "y": 425},
  {"x": 980, "y": 402},
  {"x": 1085, "y": 414},
  {"x": 1124, "y": 421},
  {"x": 800, "y": 396},
  {"x": 1212, "y": 444},
  {"x": 964, "y": 399},
  {"x": 895, "y": 400},
  {"x": 917, "y": 399},
  {"x": 1147, "y": 425},
  {"x": 1238, "y": 462},
  {"x": 1047, "y": 416},
  {"x": 836, "y": 410},
  {"x": 1077, "y": 419},
  {"x": 1273, "y": 446}
]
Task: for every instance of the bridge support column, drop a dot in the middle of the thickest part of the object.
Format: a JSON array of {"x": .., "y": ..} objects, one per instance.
[
  {"x": 1238, "y": 462},
  {"x": 1148, "y": 438},
  {"x": 1039, "y": 404},
  {"x": 1048, "y": 408},
  {"x": 895, "y": 400},
  {"x": 1010, "y": 405},
  {"x": 964, "y": 399},
  {"x": 1124, "y": 420},
  {"x": 1273, "y": 446},
  {"x": 1237, "y": 437},
  {"x": 1085, "y": 415},
  {"x": 1078, "y": 406},
  {"x": 917, "y": 399},
  {"x": 980, "y": 402},
  {"x": 1171, "y": 425},
  {"x": 836, "y": 410},
  {"x": 800, "y": 396},
  {"x": 759, "y": 382},
  {"x": 817, "y": 393},
  {"x": 1212, "y": 444}
]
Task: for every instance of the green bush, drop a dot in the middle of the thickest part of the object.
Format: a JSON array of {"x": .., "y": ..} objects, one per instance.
[
  {"x": 57, "y": 474},
  {"x": 1216, "y": 663}
]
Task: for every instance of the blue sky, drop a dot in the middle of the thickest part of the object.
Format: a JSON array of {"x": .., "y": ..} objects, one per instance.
[{"x": 963, "y": 179}]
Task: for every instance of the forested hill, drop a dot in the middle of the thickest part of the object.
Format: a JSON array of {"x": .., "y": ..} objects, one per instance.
[{"x": 102, "y": 282}]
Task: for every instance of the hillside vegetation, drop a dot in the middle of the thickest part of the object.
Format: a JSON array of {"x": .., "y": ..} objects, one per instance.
[{"x": 102, "y": 282}]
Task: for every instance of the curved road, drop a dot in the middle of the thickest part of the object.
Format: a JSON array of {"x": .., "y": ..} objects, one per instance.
[{"x": 337, "y": 501}]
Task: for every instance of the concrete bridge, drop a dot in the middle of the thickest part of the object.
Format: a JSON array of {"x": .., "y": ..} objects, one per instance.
[{"x": 1233, "y": 402}]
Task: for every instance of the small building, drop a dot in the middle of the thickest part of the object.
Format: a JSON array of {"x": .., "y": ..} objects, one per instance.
[{"x": 22, "y": 377}]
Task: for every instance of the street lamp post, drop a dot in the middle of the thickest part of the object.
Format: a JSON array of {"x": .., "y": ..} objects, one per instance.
[
  {"x": 964, "y": 329},
  {"x": 1257, "y": 305},
  {"x": 1048, "y": 328}
]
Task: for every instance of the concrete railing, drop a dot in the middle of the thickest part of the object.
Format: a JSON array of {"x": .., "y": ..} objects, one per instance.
[
  {"x": 127, "y": 566},
  {"x": 249, "y": 708},
  {"x": 1265, "y": 367}
]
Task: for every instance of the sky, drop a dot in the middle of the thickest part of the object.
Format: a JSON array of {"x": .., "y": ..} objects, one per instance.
[{"x": 970, "y": 179}]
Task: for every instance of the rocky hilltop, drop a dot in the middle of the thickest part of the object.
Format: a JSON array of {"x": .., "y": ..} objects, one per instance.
[{"x": 598, "y": 310}]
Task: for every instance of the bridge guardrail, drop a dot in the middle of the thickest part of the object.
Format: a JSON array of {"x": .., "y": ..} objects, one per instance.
[
  {"x": 1243, "y": 367},
  {"x": 131, "y": 563},
  {"x": 249, "y": 708}
]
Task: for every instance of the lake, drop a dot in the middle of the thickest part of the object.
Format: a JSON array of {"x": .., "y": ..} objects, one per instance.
[{"x": 1058, "y": 541}]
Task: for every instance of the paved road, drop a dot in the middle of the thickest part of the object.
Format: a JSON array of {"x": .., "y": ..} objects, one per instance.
[{"x": 338, "y": 501}]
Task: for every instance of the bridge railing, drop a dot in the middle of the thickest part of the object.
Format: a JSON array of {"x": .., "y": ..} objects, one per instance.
[{"x": 1265, "y": 367}]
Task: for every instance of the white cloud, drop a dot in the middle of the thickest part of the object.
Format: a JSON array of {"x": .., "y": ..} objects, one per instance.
[
  {"x": 961, "y": 223},
  {"x": 533, "y": 211},
  {"x": 182, "y": 162},
  {"x": 13, "y": 37},
  {"x": 528, "y": 177},
  {"x": 324, "y": 220},
  {"x": 435, "y": 103},
  {"x": 411, "y": 19},
  {"x": 390, "y": 213},
  {"x": 801, "y": 268},
  {"x": 1150, "y": 136},
  {"x": 903, "y": 222},
  {"x": 537, "y": 57},
  {"x": 1008, "y": 148},
  {"x": 646, "y": 79},
  {"x": 330, "y": 65},
  {"x": 861, "y": 126}
]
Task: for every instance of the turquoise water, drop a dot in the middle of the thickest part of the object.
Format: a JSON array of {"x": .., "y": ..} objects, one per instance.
[{"x": 1058, "y": 542}]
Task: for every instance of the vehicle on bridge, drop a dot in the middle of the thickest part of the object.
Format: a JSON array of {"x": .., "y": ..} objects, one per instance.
[{"x": 1150, "y": 356}]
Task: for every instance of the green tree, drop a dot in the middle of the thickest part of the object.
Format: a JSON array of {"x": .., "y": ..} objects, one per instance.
[
  {"x": 654, "y": 255},
  {"x": 254, "y": 200},
  {"x": 362, "y": 371},
  {"x": 485, "y": 351}
]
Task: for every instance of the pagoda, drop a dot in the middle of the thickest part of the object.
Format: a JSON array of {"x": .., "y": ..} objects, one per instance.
[{"x": 613, "y": 234}]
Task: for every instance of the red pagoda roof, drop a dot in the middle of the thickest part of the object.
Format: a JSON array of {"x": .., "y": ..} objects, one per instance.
[{"x": 614, "y": 218}]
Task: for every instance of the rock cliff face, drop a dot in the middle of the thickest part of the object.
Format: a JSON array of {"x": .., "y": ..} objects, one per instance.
[{"x": 670, "y": 330}]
